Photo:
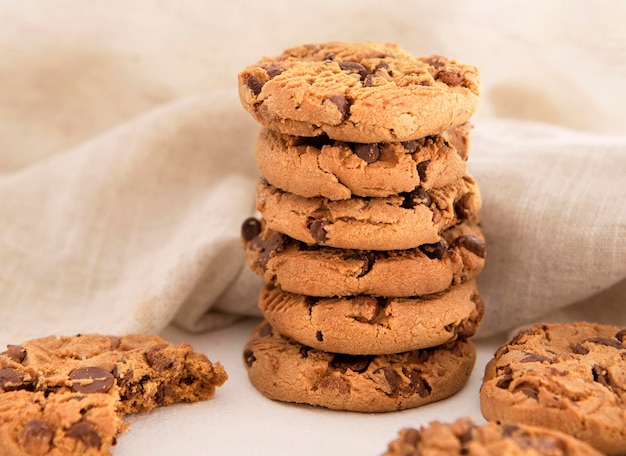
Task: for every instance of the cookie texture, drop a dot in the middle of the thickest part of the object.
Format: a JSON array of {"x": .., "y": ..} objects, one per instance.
[
  {"x": 285, "y": 370},
  {"x": 360, "y": 92},
  {"x": 311, "y": 270},
  {"x": 368, "y": 325},
  {"x": 32, "y": 423},
  {"x": 464, "y": 437},
  {"x": 569, "y": 376},
  {"x": 56, "y": 379},
  {"x": 336, "y": 170},
  {"x": 402, "y": 221}
]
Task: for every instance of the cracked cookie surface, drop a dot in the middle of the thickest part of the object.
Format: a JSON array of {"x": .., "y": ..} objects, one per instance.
[
  {"x": 368, "y": 325},
  {"x": 311, "y": 270},
  {"x": 568, "y": 376},
  {"x": 402, "y": 221},
  {"x": 464, "y": 437},
  {"x": 312, "y": 167},
  {"x": 285, "y": 370},
  {"x": 361, "y": 92}
]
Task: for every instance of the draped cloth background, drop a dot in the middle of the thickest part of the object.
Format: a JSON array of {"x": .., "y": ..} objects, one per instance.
[{"x": 126, "y": 163}]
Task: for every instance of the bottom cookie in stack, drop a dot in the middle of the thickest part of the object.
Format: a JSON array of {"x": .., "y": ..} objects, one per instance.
[{"x": 285, "y": 370}]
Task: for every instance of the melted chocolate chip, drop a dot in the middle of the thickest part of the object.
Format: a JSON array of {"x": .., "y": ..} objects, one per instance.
[
  {"x": 529, "y": 392},
  {"x": 255, "y": 84},
  {"x": 606, "y": 342},
  {"x": 318, "y": 230},
  {"x": 417, "y": 384},
  {"x": 415, "y": 197},
  {"x": 85, "y": 433},
  {"x": 368, "y": 261},
  {"x": 354, "y": 67},
  {"x": 369, "y": 153},
  {"x": 248, "y": 357},
  {"x": 304, "y": 351},
  {"x": 505, "y": 380},
  {"x": 265, "y": 247},
  {"x": 88, "y": 380},
  {"x": 422, "y": 167},
  {"x": 342, "y": 105},
  {"x": 16, "y": 352},
  {"x": 319, "y": 336},
  {"x": 536, "y": 358},
  {"x": 391, "y": 377},
  {"x": 410, "y": 146},
  {"x": 273, "y": 70},
  {"x": 356, "y": 363},
  {"x": 434, "y": 251},
  {"x": 621, "y": 334},
  {"x": 36, "y": 436},
  {"x": 580, "y": 349},
  {"x": 509, "y": 429},
  {"x": 250, "y": 228},
  {"x": 266, "y": 330},
  {"x": 11, "y": 379},
  {"x": 460, "y": 210},
  {"x": 450, "y": 76},
  {"x": 159, "y": 359},
  {"x": 467, "y": 329},
  {"x": 600, "y": 375},
  {"x": 163, "y": 394},
  {"x": 472, "y": 243}
]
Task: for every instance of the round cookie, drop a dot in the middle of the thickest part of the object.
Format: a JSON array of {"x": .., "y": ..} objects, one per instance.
[
  {"x": 464, "y": 437},
  {"x": 319, "y": 166},
  {"x": 397, "y": 222},
  {"x": 285, "y": 370},
  {"x": 367, "y": 325},
  {"x": 311, "y": 270},
  {"x": 569, "y": 376},
  {"x": 361, "y": 92}
]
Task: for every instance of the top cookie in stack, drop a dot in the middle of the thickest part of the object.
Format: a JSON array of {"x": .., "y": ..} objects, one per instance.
[{"x": 369, "y": 240}]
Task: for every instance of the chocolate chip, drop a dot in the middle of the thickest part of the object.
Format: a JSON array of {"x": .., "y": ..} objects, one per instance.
[
  {"x": 335, "y": 383},
  {"x": 410, "y": 146},
  {"x": 36, "y": 437},
  {"x": 368, "y": 261},
  {"x": 369, "y": 153},
  {"x": 415, "y": 197},
  {"x": 460, "y": 210},
  {"x": 509, "y": 429},
  {"x": 467, "y": 329},
  {"x": 16, "y": 352},
  {"x": 536, "y": 358},
  {"x": 163, "y": 394},
  {"x": 342, "y": 105},
  {"x": 580, "y": 349},
  {"x": 391, "y": 377},
  {"x": 506, "y": 380},
  {"x": 85, "y": 433},
  {"x": 319, "y": 336},
  {"x": 418, "y": 384},
  {"x": 266, "y": 330},
  {"x": 529, "y": 392},
  {"x": 356, "y": 363},
  {"x": 412, "y": 436},
  {"x": 472, "y": 243},
  {"x": 159, "y": 358},
  {"x": 304, "y": 351},
  {"x": 434, "y": 251},
  {"x": 606, "y": 342},
  {"x": 265, "y": 247},
  {"x": 248, "y": 357},
  {"x": 11, "y": 379},
  {"x": 620, "y": 335},
  {"x": 90, "y": 379},
  {"x": 421, "y": 170},
  {"x": 250, "y": 228},
  {"x": 317, "y": 228},
  {"x": 255, "y": 84},
  {"x": 600, "y": 375},
  {"x": 354, "y": 66},
  {"x": 451, "y": 76},
  {"x": 273, "y": 70}
]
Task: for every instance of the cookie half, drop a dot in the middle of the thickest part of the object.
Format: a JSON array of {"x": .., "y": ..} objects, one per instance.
[
  {"x": 32, "y": 423},
  {"x": 285, "y": 370},
  {"x": 368, "y": 325},
  {"x": 336, "y": 170},
  {"x": 144, "y": 371},
  {"x": 464, "y": 437},
  {"x": 312, "y": 270},
  {"x": 569, "y": 377},
  {"x": 398, "y": 222},
  {"x": 362, "y": 92}
]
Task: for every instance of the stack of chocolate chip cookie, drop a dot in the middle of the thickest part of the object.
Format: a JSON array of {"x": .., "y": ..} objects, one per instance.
[{"x": 368, "y": 240}]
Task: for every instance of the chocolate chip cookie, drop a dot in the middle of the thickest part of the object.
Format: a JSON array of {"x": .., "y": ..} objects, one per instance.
[
  {"x": 569, "y": 377},
  {"x": 369, "y": 325},
  {"x": 359, "y": 92},
  {"x": 398, "y": 222},
  {"x": 32, "y": 423},
  {"x": 311, "y": 270},
  {"x": 127, "y": 374},
  {"x": 319, "y": 166},
  {"x": 285, "y": 370},
  {"x": 464, "y": 437}
]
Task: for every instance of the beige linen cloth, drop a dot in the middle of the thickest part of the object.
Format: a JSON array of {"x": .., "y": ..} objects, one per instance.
[{"x": 126, "y": 162}]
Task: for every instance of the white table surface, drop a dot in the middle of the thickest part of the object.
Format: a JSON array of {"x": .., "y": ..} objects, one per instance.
[{"x": 238, "y": 420}]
